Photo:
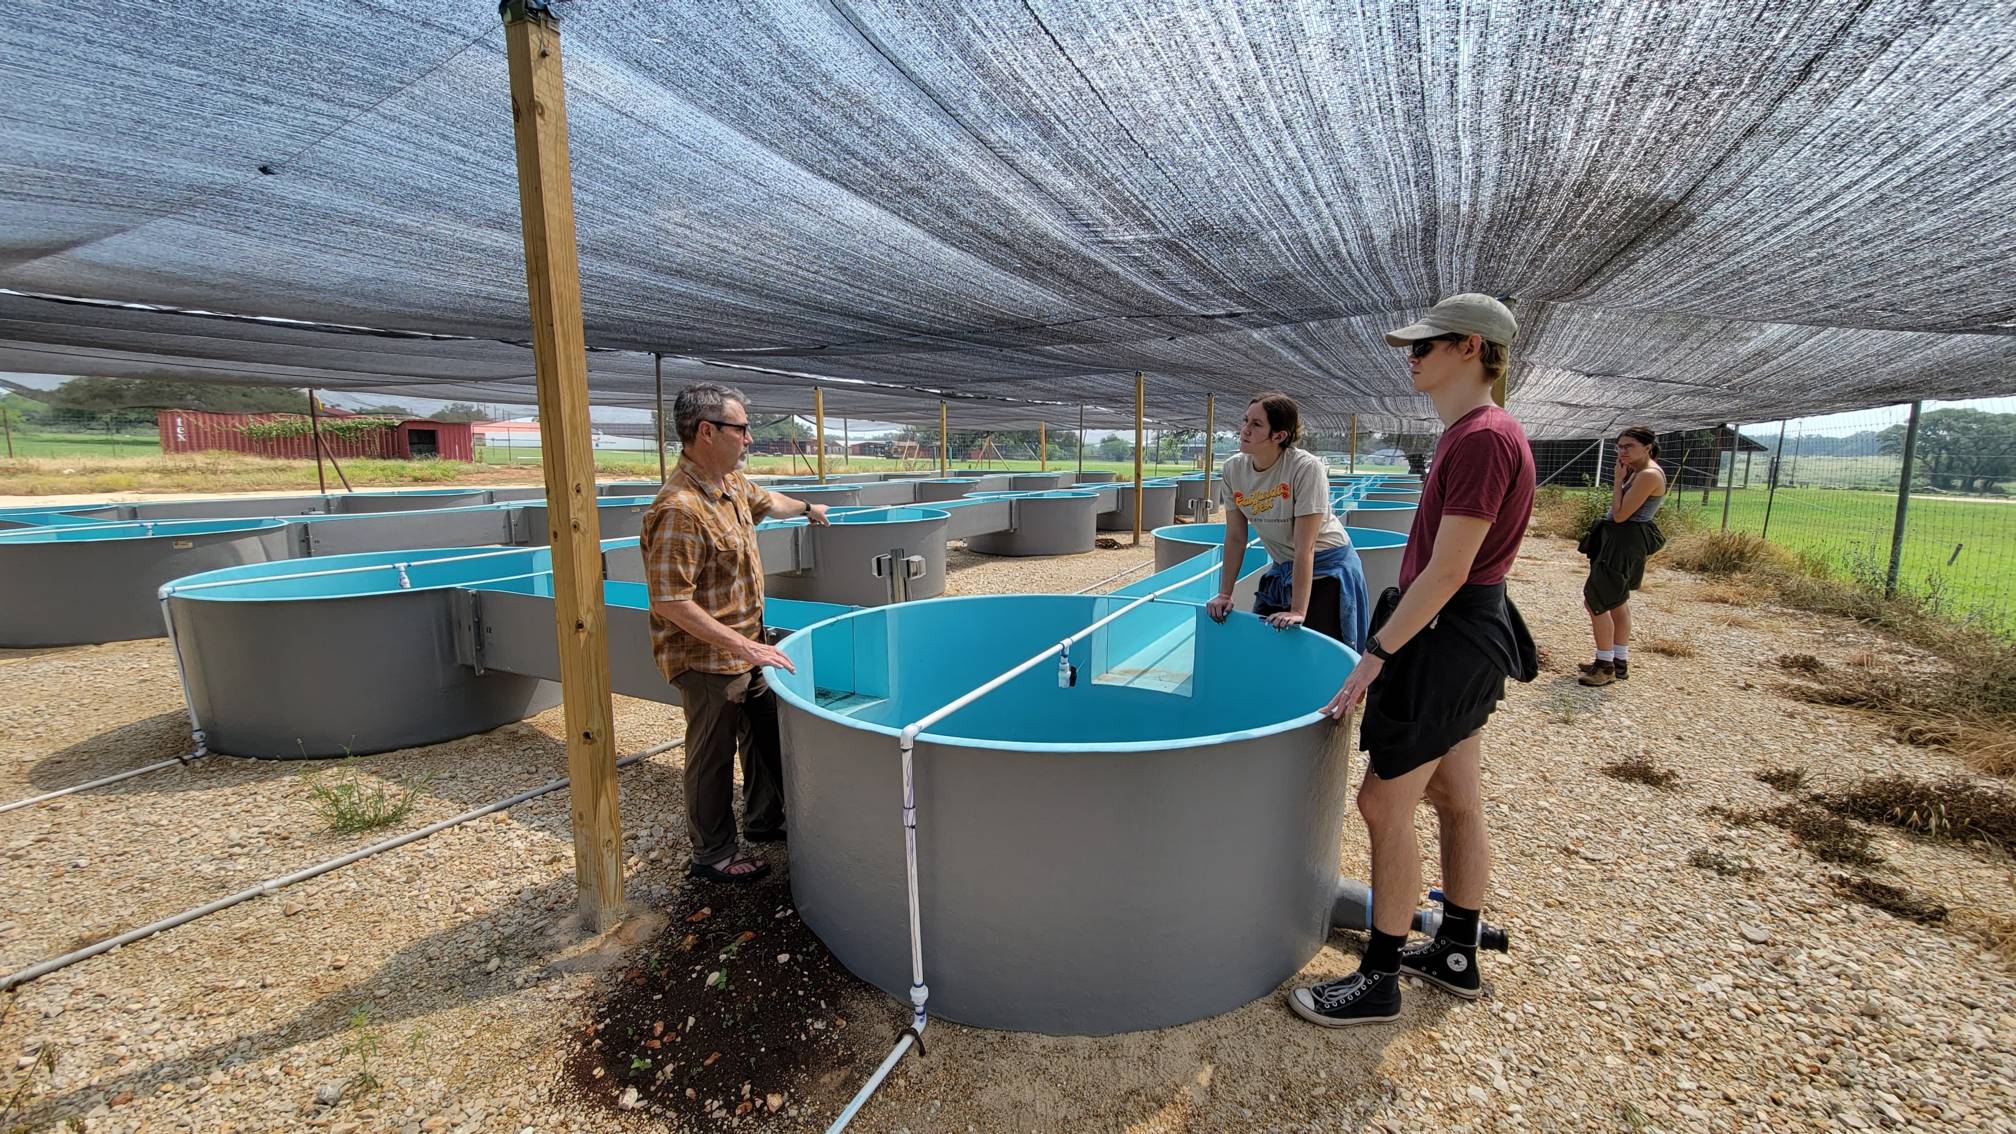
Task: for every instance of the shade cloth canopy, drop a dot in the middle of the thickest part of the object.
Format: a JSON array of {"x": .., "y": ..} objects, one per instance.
[{"x": 1727, "y": 210}]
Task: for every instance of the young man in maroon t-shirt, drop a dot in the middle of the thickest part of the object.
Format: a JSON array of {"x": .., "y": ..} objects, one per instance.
[{"x": 1435, "y": 668}]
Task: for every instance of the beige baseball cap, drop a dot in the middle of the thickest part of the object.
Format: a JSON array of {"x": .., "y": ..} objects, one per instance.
[{"x": 1471, "y": 313}]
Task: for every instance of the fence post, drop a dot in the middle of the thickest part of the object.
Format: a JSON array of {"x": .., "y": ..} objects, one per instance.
[
  {"x": 1729, "y": 480},
  {"x": 1771, "y": 489},
  {"x": 1903, "y": 501},
  {"x": 315, "y": 431}
]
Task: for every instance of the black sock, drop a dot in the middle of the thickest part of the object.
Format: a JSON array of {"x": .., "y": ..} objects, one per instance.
[
  {"x": 1458, "y": 924},
  {"x": 1383, "y": 954}
]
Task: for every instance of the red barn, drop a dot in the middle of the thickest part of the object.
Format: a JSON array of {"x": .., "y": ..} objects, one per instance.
[{"x": 286, "y": 435}]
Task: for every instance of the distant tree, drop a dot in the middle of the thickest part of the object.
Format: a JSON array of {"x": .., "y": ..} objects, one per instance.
[
  {"x": 100, "y": 395},
  {"x": 464, "y": 411},
  {"x": 1116, "y": 448},
  {"x": 1959, "y": 448},
  {"x": 398, "y": 411}
]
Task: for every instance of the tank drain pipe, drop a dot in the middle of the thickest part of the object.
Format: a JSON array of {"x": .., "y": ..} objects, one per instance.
[
  {"x": 102, "y": 781},
  {"x": 273, "y": 885}
]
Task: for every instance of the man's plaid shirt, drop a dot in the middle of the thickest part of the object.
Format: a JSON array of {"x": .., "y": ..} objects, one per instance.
[{"x": 700, "y": 545}]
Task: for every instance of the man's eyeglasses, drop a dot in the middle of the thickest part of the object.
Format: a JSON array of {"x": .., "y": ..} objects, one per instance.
[
  {"x": 739, "y": 426},
  {"x": 1422, "y": 348}
]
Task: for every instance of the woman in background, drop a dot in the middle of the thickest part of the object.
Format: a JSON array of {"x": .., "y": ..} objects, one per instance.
[
  {"x": 1281, "y": 493},
  {"x": 1618, "y": 546}
]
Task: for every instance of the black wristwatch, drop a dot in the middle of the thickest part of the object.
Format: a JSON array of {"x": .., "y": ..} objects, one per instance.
[{"x": 1373, "y": 647}]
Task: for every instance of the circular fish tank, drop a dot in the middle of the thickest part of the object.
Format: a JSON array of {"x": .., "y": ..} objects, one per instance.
[
  {"x": 946, "y": 488},
  {"x": 71, "y": 584},
  {"x": 1158, "y": 507},
  {"x": 1153, "y": 843},
  {"x": 1386, "y": 515},
  {"x": 414, "y": 501},
  {"x": 845, "y": 548},
  {"x": 1064, "y": 522},
  {"x": 1379, "y": 551},
  {"x": 344, "y": 655}
]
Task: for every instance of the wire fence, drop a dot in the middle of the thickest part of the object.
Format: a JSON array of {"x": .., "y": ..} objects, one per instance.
[{"x": 1829, "y": 489}]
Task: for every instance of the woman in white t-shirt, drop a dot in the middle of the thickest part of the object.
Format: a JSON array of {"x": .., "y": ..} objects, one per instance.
[{"x": 1281, "y": 494}]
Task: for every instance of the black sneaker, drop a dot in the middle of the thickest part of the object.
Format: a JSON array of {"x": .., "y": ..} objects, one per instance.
[
  {"x": 1361, "y": 998},
  {"x": 1444, "y": 964},
  {"x": 1623, "y": 669}
]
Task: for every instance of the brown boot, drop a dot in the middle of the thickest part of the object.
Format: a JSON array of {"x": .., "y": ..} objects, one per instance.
[{"x": 1598, "y": 673}]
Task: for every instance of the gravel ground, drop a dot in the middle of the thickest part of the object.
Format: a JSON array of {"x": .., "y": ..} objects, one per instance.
[{"x": 1643, "y": 992}]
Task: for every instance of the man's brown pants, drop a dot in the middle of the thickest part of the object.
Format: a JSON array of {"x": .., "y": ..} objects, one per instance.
[{"x": 723, "y": 710}]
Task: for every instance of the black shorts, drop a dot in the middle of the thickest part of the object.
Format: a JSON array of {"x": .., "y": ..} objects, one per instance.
[
  {"x": 1326, "y": 608},
  {"x": 1445, "y": 682}
]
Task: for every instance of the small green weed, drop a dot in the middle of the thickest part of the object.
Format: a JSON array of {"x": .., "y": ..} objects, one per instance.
[{"x": 350, "y": 802}]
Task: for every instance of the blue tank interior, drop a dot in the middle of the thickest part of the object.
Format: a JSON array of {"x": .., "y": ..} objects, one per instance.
[
  {"x": 134, "y": 529},
  {"x": 1161, "y": 676}
]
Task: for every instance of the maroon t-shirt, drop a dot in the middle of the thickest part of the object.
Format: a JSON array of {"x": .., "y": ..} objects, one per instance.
[{"x": 1482, "y": 467}]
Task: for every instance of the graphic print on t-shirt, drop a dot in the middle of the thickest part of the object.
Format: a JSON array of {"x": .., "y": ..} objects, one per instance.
[{"x": 1261, "y": 502}]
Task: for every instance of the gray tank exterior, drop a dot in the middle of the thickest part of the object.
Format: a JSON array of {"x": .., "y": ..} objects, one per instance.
[
  {"x": 1148, "y": 889},
  {"x": 891, "y": 492},
  {"x": 1382, "y": 567},
  {"x": 316, "y": 678},
  {"x": 1190, "y": 493},
  {"x": 1403, "y": 496},
  {"x": 76, "y": 593},
  {"x": 406, "y": 502},
  {"x": 229, "y": 509},
  {"x": 1063, "y": 524},
  {"x": 932, "y": 491},
  {"x": 1385, "y": 519},
  {"x": 1095, "y": 476},
  {"x": 1159, "y": 510},
  {"x": 617, "y": 521},
  {"x": 1036, "y": 482},
  {"x": 843, "y": 562}
]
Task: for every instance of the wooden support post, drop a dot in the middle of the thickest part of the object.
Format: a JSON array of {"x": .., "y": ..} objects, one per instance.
[
  {"x": 1210, "y": 452},
  {"x": 315, "y": 430},
  {"x": 559, "y": 351},
  {"x": 1042, "y": 446},
  {"x": 1140, "y": 436},
  {"x": 819, "y": 428},
  {"x": 944, "y": 441},
  {"x": 1081, "y": 438},
  {"x": 658, "y": 378},
  {"x": 846, "y": 448}
]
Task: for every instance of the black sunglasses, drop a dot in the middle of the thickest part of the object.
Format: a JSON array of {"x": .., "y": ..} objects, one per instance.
[
  {"x": 1422, "y": 348},
  {"x": 741, "y": 426}
]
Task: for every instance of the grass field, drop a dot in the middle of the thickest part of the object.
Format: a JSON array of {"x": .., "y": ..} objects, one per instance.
[
  {"x": 84, "y": 445},
  {"x": 1961, "y": 551}
]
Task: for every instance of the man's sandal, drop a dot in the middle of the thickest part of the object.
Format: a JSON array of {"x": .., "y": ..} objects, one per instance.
[{"x": 708, "y": 873}]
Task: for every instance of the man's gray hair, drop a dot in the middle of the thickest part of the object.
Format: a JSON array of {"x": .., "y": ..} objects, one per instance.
[{"x": 702, "y": 402}]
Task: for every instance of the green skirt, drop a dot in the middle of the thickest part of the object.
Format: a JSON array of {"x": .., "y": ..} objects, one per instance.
[{"x": 1617, "y": 555}]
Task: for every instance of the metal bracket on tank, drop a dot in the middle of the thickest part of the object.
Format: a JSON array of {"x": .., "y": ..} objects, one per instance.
[
  {"x": 914, "y": 567},
  {"x": 468, "y": 607}
]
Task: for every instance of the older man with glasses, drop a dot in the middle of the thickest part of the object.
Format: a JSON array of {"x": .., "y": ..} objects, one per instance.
[{"x": 705, "y": 581}]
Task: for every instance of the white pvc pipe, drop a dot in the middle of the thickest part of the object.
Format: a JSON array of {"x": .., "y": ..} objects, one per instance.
[
  {"x": 861, "y": 1098},
  {"x": 101, "y": 782},
  {"x": 271, "y": 885}
]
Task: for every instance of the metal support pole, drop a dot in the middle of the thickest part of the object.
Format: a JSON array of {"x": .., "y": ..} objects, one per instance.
[
  {"x": 1903, "y": 501},
  {"x": 1081, "y": 438},
  {"x": 1771, "y": 488},
  {"x": 658, "y": 379},
  {"x": 1353, "y": 465},
  {"x": 1140, "y": 435},
  {"x": 315, "y": 429},
  {"x": 944, "y": 441},
  {"x": 559, "y": 351},
  {"x": 1599, "y": 461},
  {"x": 1728, "y": 480},
  {"x": 846, "y": 447},
  {"x": 8, "y": 428},
  {"x": 819, "y": 428}
]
